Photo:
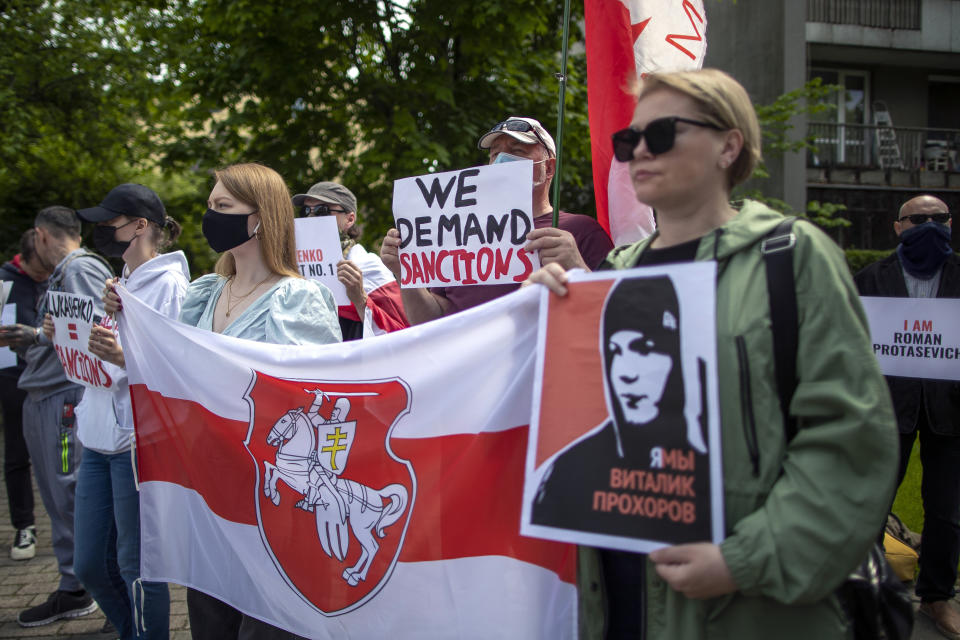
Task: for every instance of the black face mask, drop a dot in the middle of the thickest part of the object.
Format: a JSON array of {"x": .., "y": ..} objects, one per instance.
[
  {"x": 224, "y": 231},
  {"x": 924, "y": 248},
  {"x": 105, "y": 240}
]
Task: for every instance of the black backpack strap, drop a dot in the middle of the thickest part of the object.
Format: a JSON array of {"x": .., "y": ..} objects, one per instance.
[{"x": 777, "y": 250}]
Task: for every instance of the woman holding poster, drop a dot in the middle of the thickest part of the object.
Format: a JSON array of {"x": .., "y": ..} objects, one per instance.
[
  {"x": 800, "y": 515},
  {"x": 257, "y": 293},
  {"x": 132, "y": 224}
]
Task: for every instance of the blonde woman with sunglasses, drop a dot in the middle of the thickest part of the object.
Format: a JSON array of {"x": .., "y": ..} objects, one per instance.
[{"x": 800, "y": 514}]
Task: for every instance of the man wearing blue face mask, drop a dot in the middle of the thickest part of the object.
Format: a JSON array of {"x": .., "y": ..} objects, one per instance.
[
  {"x": 925, "y": 266},
  {"x": 577, "y": 241}
]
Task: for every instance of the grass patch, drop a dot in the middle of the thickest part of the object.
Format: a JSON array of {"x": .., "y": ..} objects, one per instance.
[{"x": 908, "y": 504}]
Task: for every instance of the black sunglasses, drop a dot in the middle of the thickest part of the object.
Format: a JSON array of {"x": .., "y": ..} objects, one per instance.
[
  {"x": 319, "y": 210},
  {"x": 920, "y": 218},
  {"x": 659, "y": 134},
  {"x": 516, "y": 125}
]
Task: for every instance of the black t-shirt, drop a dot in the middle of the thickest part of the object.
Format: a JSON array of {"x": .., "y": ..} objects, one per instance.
[
  {"x": 623, "y": 572},
  {"x": 683, "y": 252}
]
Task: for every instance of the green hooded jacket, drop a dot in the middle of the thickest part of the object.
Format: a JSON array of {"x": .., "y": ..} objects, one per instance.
[{"x": 799, "y": 518}]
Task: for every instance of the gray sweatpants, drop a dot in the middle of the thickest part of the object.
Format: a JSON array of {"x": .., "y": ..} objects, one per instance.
[{"x": 49, "y": 428}]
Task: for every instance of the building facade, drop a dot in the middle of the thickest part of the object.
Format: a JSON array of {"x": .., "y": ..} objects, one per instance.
[{"x": 894, "y": 130}]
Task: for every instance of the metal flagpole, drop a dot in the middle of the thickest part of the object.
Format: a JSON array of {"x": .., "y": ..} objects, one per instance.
[{"x": 562, "y": 77}]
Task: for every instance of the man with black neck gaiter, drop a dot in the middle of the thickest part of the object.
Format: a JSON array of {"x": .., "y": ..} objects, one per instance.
[{"x": 925, "y": 266}]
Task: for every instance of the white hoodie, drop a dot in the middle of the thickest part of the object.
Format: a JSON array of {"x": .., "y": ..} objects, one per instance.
[{"x": 105, "y": 418}]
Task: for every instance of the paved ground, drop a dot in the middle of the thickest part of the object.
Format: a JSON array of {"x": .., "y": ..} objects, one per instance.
[{"x": 27, "y": 583}]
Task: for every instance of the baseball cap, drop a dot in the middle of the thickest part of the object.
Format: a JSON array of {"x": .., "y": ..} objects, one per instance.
[
  {"x": 329, "y": 193},
  {"x": 129, "y": 199},
  {"x": 523, "y": 129}
]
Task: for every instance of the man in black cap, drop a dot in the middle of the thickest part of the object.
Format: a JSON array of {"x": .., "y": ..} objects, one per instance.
[
  {"x": 578, "y": 241},
  {"x": 925, "y": 266},
  {"x": 375, "y": 294},
  {"x": 49, "y": 421}
]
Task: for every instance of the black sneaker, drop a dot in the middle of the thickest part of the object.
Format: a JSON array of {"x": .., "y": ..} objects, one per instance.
[
  {"x": 60, "y": 604},
  {"x": 24, "y": 544}
]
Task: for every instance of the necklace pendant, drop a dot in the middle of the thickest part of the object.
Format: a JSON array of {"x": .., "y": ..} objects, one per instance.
[{"x": 228, "y": 314}]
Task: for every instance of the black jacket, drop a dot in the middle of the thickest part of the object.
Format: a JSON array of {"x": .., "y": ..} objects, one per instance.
[
  {"x": 941, "y": 398},
  {"x": 25, "y": 294}
]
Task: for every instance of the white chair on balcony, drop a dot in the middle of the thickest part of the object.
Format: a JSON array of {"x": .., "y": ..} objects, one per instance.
[{"x": 935, "y": 156}]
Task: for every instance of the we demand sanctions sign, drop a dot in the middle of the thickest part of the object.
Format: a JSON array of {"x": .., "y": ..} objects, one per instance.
[
  {"x": 465, "y": 227},
  {"x": 915, "y": 337}
]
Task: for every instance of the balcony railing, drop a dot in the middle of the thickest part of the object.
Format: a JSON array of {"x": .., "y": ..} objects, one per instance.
[
  {"x": 858, "y": 146},
  {"x": 884, "y": 14}
]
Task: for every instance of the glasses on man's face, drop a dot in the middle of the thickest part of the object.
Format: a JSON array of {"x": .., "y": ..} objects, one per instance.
[
  {"x": 920, "y": 218},
  {"x": 521, "y": 126},
  {"x": 659, "y": 134},
  {"x": 309, "y": 211}
]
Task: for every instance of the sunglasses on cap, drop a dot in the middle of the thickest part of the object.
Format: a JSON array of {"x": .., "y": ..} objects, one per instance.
[
  {"x": 319, "y": 210},
  {"x": 521, "y": 126},
  {"x": 659, "y": 134},
  {"x": 920, "y": 218}
]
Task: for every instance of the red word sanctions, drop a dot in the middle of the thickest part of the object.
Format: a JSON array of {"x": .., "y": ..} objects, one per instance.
[{"x": 465, "y": 267}]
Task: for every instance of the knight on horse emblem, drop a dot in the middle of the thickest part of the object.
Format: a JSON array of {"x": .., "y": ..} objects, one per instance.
[{"x": 312, "y": 455}]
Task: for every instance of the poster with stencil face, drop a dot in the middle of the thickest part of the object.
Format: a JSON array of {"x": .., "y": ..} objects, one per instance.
[{"x": 624, "y": 450}]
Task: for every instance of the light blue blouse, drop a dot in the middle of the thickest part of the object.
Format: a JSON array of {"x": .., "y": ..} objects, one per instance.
[{"x": 292, "y": 311}]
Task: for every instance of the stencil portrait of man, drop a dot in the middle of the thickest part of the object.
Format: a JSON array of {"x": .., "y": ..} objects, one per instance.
[{"x": 644, "y": 472}]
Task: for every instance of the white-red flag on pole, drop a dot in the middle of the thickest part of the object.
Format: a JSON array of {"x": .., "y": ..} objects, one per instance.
[
  {"x": 364, "y": 490},
  {"x": 626, "y": 39}
]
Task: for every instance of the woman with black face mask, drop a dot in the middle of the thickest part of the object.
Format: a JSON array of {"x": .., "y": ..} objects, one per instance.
[
  {"x": 132, "y": 224},
  {"x": 257, "y": 293}
]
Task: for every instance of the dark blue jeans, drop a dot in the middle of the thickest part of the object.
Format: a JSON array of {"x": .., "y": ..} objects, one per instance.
[
  {"x": 940, "y": 488},
  {"x": 107, "y": 548},
  {"x": 16, "y": 459}
]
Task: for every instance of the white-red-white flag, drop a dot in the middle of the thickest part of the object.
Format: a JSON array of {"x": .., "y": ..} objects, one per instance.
[
  {"x": 365, "y": 490},
  {"x": 626, "y": 39}
]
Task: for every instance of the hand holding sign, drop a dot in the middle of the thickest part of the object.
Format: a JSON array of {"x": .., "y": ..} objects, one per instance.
[
  {"x": 556, "y": 246},
  {"x": 49, "y": 329},
  {"x": 351, "y": 277},
  {"x": 103, "y": 344}
]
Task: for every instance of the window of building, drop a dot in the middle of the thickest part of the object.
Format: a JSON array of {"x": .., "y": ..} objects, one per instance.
[{"x": 841, "y": 133}]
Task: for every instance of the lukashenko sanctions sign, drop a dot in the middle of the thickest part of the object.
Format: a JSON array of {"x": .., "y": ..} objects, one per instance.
[
  {"x": 73, "y": 316},
  {"x": 915, "y": 337}
]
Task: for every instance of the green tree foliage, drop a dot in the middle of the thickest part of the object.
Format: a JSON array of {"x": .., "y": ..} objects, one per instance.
[
  {"x": 367, "y": 92},
  {"x": 75, "y": 92},
  {"x": 164, "y": 91}
]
